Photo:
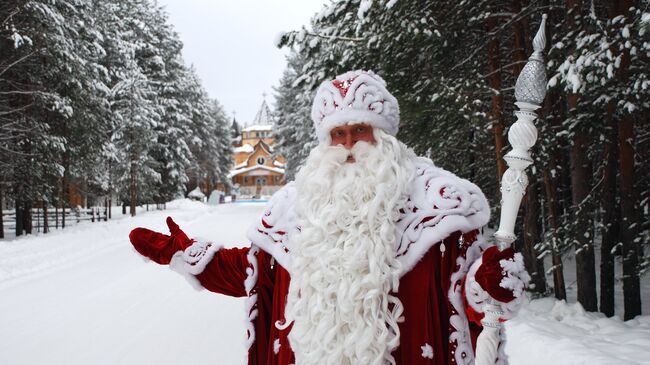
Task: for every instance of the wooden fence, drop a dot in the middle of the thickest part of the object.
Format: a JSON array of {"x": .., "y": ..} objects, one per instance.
[{"x": 54, "y": 218}]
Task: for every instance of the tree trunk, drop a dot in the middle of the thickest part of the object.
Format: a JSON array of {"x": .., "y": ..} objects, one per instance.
[
  {"x": 610, "y": 223},
  {"x": 46, "y": 225},
  {"x": 132, "y": 190},
  {"x": 521, "y": 39},
  {"x": 580, "y": 187},
  {"x": 19, "y": 217},
  {"x": 532, "y": 236},
  {"x": 64, "y": 197},
  {"x": 559, "y": 287},
  {"x": 585, "y": 260},
  {"x": 2, "y": 225},
  {"x": 496, "y": 114},
  {"x": 631, "y": 287},
  {"x": 585, "y": 265},
  {"x": 27, "y": 217},
  {"x": 629, "y": 221}
]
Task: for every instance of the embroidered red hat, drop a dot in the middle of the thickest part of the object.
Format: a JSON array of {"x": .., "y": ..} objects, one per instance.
[{"x": 354, "y": 97}]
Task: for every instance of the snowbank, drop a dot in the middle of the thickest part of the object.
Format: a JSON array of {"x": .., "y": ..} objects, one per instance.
[
  {"x": 83, "y": 296},
  {"x": 554, "y": 332}
]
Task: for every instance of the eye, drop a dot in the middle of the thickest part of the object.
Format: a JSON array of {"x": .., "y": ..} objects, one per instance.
[
  {"x": 361, "y": 129},
  {"x": 339, "y": 133}
]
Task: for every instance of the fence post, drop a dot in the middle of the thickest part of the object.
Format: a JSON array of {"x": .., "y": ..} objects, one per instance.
[
  {"x": 46, "y": 224},
  {"x": 38, "y": 220}
]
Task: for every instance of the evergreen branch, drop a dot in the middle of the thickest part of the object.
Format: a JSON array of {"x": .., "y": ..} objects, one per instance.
[
  {"x": 335, "y": 38},
  {"x": 21, "y": 59}
]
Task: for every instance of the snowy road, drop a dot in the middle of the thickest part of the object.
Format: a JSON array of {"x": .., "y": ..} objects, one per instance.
[
  {"x": 83, "y": 296},
  {"x": 106, "y": 306}
]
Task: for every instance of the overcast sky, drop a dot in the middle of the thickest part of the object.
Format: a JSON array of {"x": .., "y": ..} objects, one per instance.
[{"x": 231, "y": 45}]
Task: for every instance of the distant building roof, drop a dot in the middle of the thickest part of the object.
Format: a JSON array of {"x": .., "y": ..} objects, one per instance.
[
  {"x": 247, "y": 148},
  {"x": 258, "y": 127},
  {"x": 247, "y": 169},
  {"x": 263, "y": 116}
]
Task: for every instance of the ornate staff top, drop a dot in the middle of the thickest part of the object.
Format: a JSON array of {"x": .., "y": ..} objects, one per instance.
[
  {"x": 530, "y": 91},
  {"x": 531, "y": 83}
]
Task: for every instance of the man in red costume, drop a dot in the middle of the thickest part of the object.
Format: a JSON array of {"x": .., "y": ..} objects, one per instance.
[{"x": 372, "y": 256}]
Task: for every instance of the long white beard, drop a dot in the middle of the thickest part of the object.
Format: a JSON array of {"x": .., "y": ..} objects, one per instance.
[{"x": 343, "y": 261}]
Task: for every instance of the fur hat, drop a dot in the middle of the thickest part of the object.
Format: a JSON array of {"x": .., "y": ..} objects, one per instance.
[{"x": 354, "y": 97}]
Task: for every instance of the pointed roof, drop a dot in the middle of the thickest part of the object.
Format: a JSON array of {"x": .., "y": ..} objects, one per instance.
[
  {"x": 235, "y": 126},
  {"x": 263, "y": 116}
]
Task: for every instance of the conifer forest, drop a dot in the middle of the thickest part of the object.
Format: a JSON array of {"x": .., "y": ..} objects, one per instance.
[{"x": 95, "y": 97}]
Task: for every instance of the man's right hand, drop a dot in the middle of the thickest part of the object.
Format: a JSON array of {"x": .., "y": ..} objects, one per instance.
[{"x": 157, "y": 246}]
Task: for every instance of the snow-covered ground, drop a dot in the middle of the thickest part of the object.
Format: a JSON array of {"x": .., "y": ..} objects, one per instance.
[{"x": 83, "y": 296}]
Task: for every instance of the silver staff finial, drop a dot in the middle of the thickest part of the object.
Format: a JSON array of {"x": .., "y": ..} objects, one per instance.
[{"x": 531, "y": 84}]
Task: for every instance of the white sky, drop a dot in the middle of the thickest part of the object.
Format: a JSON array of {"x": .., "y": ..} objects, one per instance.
[{"x": 231, "y": 45}]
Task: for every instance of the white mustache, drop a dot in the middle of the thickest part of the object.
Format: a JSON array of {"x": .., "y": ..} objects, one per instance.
[{"x": 339, "y": 154}]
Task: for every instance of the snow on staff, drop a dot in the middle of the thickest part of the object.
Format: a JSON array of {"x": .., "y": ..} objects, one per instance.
[{"x": 530, "y": 90}]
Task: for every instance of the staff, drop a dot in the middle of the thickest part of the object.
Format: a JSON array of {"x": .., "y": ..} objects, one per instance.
[{"x": 530, "y": 90}]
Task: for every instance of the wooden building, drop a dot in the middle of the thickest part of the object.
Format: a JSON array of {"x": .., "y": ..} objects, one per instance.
[{"x": 257, "y": 170}]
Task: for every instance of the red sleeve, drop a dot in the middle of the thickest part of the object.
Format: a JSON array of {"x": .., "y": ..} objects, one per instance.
[{"x": 226, "y": 272}]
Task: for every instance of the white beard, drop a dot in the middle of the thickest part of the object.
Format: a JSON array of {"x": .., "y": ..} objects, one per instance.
[{"x": 343, "y": 262}]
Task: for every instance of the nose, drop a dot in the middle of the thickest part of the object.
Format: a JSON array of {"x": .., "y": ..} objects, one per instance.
[{"x": 349, "y": 141}]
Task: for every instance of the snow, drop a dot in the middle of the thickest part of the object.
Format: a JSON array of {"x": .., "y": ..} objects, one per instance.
[
  {"x": 258, "y": 127},
  {"x": 551, "y": 332},
  {"x": 255, "y": 167},
  {"x": 277, "y": 41},
  {"x": 83, "y": 296},
  {"x": 573, "y": 79},
  {"x": 390, "y": 4},
  {"x": 363, "y": 8},
  {"x": 196, "y": 194},
  {"x": 246, "y": 148}
]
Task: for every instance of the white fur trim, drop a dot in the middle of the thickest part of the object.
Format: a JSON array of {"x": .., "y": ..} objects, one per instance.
[
  {"x": 251, "y": 301},
  {"x": 475, "y": 295},
  {"x": 460, "y": 337},
  {"x": 428, "y": 218},
  {"x": 272, "y": 230},
  {"x": 193, "y": 261},
  {"x": 352, "y": 116},
  {"x": 516, "y": 279},
  {"x": 366, "y": 100},
  {"x": 431, "y": 216}
]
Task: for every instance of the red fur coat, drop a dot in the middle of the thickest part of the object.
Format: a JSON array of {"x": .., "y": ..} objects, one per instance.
[{"x": 438, "y": 244}]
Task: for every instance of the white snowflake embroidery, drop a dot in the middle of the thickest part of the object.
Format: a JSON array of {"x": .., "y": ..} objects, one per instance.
[
  {"x": 276, "y": 346},
  {"x": 427, "y": 351}
]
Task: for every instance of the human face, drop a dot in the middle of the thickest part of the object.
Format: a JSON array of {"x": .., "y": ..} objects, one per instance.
[{"x": 348, "y": 135}]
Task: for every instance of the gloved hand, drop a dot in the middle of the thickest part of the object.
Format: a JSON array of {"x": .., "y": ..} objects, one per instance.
[
  {"x": 502, "y": 274},
  {"x": 157, "y": 246}
]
